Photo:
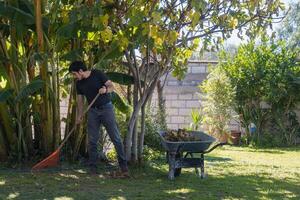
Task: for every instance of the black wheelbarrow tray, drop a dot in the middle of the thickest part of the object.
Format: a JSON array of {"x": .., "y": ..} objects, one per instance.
[{"x": 174, "y": 152}]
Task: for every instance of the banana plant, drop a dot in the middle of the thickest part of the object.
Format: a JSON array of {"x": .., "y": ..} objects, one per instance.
[{"x": 19, "y": 142}]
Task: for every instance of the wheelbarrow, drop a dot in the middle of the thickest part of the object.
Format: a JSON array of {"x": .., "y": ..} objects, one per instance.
[{"x": 203, "y": 144}]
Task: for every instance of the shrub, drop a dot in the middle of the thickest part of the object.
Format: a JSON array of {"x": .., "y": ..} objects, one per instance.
[
  {"x": 267, "y": 88},
  {"x": 217, "y": 102},
  {"x": 153, "y": 124}
]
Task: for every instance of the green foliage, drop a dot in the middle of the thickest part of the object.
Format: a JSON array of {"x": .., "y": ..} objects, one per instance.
[
  {"x": 21, "y": 15},
  {"x": 72, "y": 55},
  {"x": 217, "y": 102},
  {"x": 289, "y": 30},
  {"x": 112, "y": 154},
  {"x": 120, "y": 78},
  {"x": 153, "y": 124},
  {"x": 5, "y": 94},
  {"x": 120, "y": 103},
  {"x": 104, "y": 34},
  {"x": 197, "y": 118},
  {"x": 151, "y": 154},
  {"x": 68, "y": 30},
  {"x": 264, "y": 78},
  {"x": 30, "y": 89}
]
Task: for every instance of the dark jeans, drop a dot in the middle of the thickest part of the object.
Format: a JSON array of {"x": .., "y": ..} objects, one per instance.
[{"x": 104, "y": 115}]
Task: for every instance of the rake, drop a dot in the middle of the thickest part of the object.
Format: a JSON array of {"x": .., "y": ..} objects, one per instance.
[{"x": 53, "y": 159}]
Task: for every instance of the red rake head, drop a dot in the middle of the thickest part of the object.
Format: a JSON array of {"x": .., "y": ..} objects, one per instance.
[{"x": 50, "y": 161}]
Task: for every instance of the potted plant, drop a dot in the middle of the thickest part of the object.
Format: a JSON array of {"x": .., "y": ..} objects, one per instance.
[{"x": 235, "y": 137}]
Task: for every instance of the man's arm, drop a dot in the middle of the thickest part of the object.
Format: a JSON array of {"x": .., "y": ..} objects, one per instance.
[
  {"x": 109, "y": 87},
  {"x": 79, "y": 112}
]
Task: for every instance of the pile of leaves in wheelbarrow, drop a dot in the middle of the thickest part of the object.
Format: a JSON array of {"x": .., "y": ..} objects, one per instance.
[{"x": 180, "y": 135}]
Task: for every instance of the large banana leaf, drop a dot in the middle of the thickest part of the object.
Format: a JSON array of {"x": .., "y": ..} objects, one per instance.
[
  {"x": 68, "y": 30},
  {"x": 5, "y": 94},
  {"x": 107, "y": 56},
  {"x": 122, "y": 79},
  {"x": 30, "y": 89},
  {"x": 120, "y": 104},
  {"x": 72, "y": 55},
  {"x": 112, "y": 53},
  {"x": 21, "y": 18},
  {"x": 16, "y": 14}
]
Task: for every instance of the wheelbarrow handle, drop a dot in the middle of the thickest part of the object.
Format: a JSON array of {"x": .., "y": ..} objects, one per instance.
[{"x": 215, "y": 146}]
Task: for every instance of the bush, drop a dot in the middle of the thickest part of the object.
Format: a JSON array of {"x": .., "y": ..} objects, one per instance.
[
  {"x": 267, "y": 88},
  {"x": 153, "y": 124},
  {"x": 217, "y": 102},
  {"x": 267, "y": 140}
]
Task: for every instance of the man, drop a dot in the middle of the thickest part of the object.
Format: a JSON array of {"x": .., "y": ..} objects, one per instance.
[{"x": 88, "y": 84}]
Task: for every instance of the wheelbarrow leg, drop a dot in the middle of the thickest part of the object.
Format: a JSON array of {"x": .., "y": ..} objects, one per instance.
[
  {"x": 196, "y": 168},
  {"x": 171, "y": 160},
  {"x": 202, "y": 166}
]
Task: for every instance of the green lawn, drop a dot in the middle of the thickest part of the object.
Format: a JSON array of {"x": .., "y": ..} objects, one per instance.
[{"x": 233, "y": 173}]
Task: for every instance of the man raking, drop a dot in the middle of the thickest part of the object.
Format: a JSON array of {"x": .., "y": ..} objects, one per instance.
[{"x": 89, "y": 83}]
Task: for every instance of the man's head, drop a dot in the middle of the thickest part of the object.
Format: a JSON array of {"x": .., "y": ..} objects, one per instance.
[{"x": 77, "y": 68}]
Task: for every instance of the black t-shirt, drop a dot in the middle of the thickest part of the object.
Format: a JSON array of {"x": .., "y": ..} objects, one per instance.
[{"x": 89, "y": 87}]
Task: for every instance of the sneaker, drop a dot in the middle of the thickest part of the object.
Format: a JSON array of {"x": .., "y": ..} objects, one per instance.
[
  {"x": 119, "y": 174},
  {"x": 124, "y": 169}
]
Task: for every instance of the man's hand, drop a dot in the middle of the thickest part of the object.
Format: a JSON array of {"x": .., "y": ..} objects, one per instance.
[{"x": 103, "y": 90}]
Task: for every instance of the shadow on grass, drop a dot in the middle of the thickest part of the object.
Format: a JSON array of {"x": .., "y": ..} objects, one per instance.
[
  {"x": 259, "y": 150},
  {"x": 216, "y": 159},
  {"x": 149, "y": 182}
]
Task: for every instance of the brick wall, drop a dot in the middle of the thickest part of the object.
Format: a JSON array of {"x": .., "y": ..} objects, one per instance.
[
  {"x": 63, "y": 113},
  {"x": 183, "y": 96}
]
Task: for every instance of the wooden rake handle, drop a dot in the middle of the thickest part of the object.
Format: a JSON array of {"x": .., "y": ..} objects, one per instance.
[{"x": 74, "y": 127}]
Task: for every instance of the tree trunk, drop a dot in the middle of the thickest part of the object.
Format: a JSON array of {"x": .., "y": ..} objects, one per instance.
[
  {"x": 129, "y": 92},
  {"x": 28, "y": 134},
  {"x": 35, "y": 110},
  {"x": 9, "y": 131},
  {"x": 55, "y": 107},
  {"x": 129, "y": 135},
  {"x": 71, "y": 115},
  {"x": 3, "y": 146},
  {"x": 142, "y": 135},
  {"x": 46, "y": 123},
  {"x": 77, "y": 142},
  {"x": 135, "y": 129},
  {"x": 12, "y": 83},
  {"x": 142, "y": 100},
  {"x": 161, "y": 104}
]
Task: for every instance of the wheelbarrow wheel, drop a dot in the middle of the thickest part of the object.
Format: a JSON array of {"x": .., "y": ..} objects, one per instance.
[{"x": 177, "y": 172}]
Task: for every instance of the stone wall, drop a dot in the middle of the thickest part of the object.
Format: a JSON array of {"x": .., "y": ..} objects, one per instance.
[
  {"x": 183, "y": 96},
  {"x": 63, "y": 113}
]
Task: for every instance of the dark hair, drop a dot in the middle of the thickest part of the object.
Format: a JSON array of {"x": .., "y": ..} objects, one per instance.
[{"x": 76, "y": 66}]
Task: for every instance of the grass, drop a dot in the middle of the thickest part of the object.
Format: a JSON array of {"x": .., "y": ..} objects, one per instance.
[{"x": 233, "y": 173}]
